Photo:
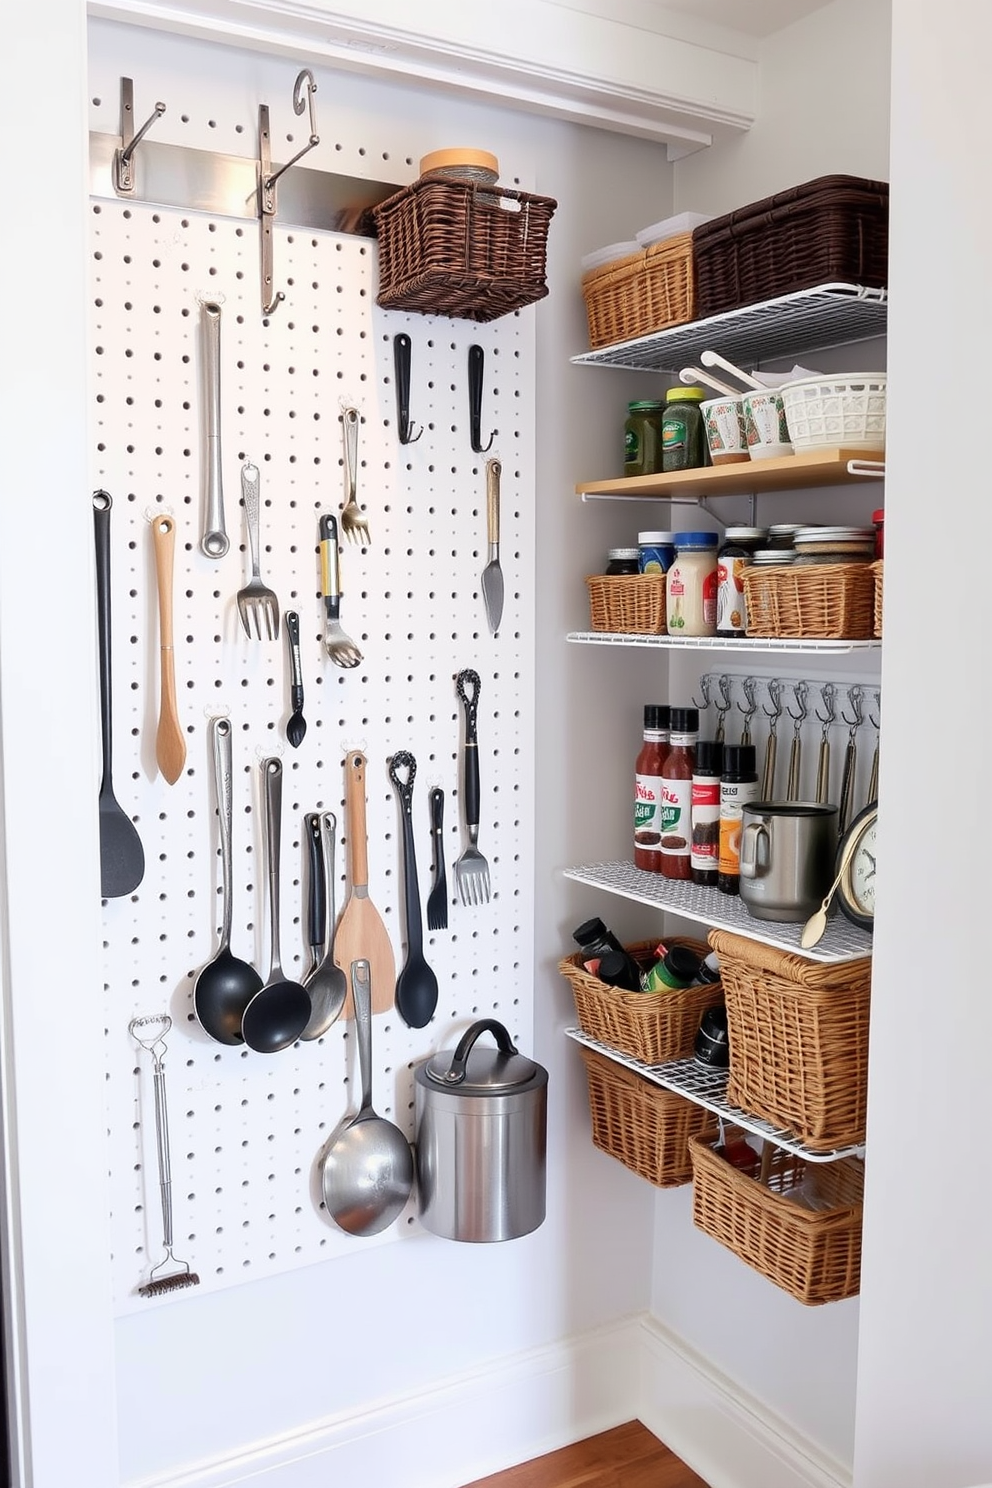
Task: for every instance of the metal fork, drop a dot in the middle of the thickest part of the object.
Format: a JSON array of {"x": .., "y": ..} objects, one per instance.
[
  {"x": 353, "y": 522},
  {"x": 471, "y": 869},
  {"x": 256, "y": 602}
]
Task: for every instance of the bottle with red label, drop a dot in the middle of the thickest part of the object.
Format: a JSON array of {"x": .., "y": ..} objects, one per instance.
[
  {"x": 676, "y": 800},
  {"x": 648, "y": 788},
  {"x": 704, "y": 855}
]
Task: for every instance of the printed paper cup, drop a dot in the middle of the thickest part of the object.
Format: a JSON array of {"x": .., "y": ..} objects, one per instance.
[
  {"x": 765, "y": 425},
  {"x": 725, "y": 432}
]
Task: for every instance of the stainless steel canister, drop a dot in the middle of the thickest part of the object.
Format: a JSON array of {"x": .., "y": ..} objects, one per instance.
[
  {"x": 481, "y": 1142},
  {"x": 787, "y": 857}
]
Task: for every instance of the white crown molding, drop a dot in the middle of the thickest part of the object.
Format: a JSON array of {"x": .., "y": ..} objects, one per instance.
[{"x": 528, "y": 53}]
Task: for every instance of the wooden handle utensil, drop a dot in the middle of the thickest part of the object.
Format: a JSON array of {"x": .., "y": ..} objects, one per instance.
[{"x": 170, "y": 741}]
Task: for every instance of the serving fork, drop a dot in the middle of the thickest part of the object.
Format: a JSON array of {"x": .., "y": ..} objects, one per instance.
[
  {"x": 257, "y": 604},
  {"x": 353, "y": 521},
  {"x": 471, "y": 869}
]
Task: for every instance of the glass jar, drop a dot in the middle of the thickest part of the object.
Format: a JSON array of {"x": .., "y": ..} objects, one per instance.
[
  {"x": 642, "y": 438},
  {"x": 736, "y": 552},
  {"x": 683, "y": 430},
  {"x": 657, "y": 551},
  {"x": 622, "y": 561},
  {"x": 691, "y": 585}
]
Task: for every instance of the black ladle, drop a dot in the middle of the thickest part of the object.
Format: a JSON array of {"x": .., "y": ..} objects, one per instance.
[
  {"x": 416, "y": 985},
  {"x": 122, "y": 857},
  {"x": 226, "y": 985},
  {"x": 279, "y": 1012}
]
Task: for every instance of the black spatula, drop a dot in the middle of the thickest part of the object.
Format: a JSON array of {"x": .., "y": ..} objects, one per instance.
[{"x": 122, "y": 858}]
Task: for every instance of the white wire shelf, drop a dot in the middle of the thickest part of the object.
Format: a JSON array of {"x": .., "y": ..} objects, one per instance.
[
  {"x": 841, "y": 940},
  {"x": 716, "y": 643},
  {"x": 708, "y": 1087},
  {"x": 810, "y": 320}
]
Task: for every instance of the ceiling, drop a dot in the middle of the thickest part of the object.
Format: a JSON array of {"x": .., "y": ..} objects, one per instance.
[{"x": 754, "y": 17}]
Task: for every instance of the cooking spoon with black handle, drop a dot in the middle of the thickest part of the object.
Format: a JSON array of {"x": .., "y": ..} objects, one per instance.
[{"x": 416, "y": 985}]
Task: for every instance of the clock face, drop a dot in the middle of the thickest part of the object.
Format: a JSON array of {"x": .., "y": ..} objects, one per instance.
[{"x": 857, "y": 887}]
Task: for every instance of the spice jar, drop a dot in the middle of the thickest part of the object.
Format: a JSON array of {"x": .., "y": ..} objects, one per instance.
[
  {"x": 657, "y": 551},
  {"x": 691, "y": 585},
  {"x": 736, "y": 552},
  {"x": 683, "y": 430},
  {"x": 642, "y": 438},
  {"x": 622, "y": 561}
]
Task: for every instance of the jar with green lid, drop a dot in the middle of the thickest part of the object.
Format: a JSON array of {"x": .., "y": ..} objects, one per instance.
[
  {"x": 683, "y": 430},
  {"x": 642, "y": 438}
]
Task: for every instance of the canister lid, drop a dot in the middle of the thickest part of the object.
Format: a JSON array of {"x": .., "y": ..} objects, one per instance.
[
  {"x": 632, "y": 553},
  {"x": 645, "y": 405},
  {"x": 463, "y": 162},
  {"x": 471, "y": 1069},
  {"x": 685, "y": 395},
  {"x": 701, "y": 540},
  {"x": 656, "y": 537}
]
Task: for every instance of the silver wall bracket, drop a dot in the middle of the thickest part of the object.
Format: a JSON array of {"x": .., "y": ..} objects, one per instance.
[
  {"x": 267, "y": 179},
  {"x": 124, "y": 157}
]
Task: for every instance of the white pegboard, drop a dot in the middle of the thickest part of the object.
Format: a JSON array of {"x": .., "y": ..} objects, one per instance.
[{"x": 246, "y": 1128}]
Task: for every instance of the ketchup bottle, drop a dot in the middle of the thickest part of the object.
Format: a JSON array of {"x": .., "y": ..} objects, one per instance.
[
  {"x": 676, "y": 785},
  {"x": 648, "y": 788}
]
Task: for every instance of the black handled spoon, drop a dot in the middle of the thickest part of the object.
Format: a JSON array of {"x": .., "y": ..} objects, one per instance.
[{"x": 416, "y": 985}]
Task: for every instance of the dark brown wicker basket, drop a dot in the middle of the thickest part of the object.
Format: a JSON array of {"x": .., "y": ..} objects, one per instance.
[
  {"x": 455, "y": 248},
  {"x": 835, "y": 228}
]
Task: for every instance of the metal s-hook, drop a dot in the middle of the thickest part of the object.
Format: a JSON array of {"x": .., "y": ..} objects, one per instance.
[
  {"x": 723, "y": 706},
  {"x": 267, "y": 179},
  {"x": 771, "y": 744},
  {"x": 747, "y": 687},
  {"x": 704, "y": 687},
  {"x": 124, "y": 157}
]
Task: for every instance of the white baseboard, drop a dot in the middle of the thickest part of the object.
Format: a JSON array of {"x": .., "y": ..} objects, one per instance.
[{"x": 528, "y": 1404}]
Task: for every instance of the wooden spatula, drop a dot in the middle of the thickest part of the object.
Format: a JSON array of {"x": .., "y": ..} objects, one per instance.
[
  {"x": 361, "y": 934},
  {"x": 170, "y": 741}
]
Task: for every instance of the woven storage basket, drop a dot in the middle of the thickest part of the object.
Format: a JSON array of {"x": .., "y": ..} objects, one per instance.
[
  {"x": 653, "y": 1027},
  {"x": 632, "y": 604},
  {"x": 450, "y": 247},
  {"x": 877, "y": 571},
  {"x": 642, "y": 1126},
  {"x": 798, "y": 1039},
  {"x": 835, "y": 228},
  {"x": 816, "y": 601},
  {"x": 645, "y": 292},
  {"x": 814, "y": 1254}
]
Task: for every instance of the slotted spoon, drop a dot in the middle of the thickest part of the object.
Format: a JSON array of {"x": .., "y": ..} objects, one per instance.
[
  {"x": 257, "y": 604},
  {"x": 471, "y": 869}
]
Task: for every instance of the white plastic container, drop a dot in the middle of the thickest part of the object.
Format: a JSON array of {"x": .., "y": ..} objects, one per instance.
[
  {"x": 612, "y": 253},
  {"x": 671, "y": 227},
  {"x": 845, "y": 411},
  {"x": 765, "y": 425},
  {"x": 726, "y": 436}
]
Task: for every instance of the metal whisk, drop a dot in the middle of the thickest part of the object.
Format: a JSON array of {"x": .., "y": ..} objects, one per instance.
[{"x": 150, "y": 1032}]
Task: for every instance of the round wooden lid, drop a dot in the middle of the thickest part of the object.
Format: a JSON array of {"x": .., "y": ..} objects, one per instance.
[{"x": 459, "y": 160}]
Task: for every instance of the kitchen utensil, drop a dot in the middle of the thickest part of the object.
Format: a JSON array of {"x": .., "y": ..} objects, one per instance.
[
  {"x": 170, "y": 741},
  {"x": 437, "y": 899},
  {"x": 325, "y": 981},
  {"x": 353, "y": 522},
  {"x": 367, "y": 1170},
  {"x": 337, "y": 643},
  {"x": 226, "y": 985},
  {"x": 787, "y": 856},
  {"x": 416, "y": 985},
  {"x": 796, "y": 750},
  {"x": 471, "y": 869},
  {"x": 827, "y": 693},
  {"x": 402, "y": 348},
  {"x": 257, "y": 604},
  {"x": 481, "y": 1139},
  {"x": 297, "y": 724},
  {"x": 362, "y": 935},
  {"x": 713, "y": 359},
  {"x": 150, "y": 1032},
  {"x": 122, "y": 857},
  {"x": 214, "y": 542},
  {"x": 492, "y": 574},
  {"x": 848, "y": 777},
  {"x": 280, "y": 1010},
  {"x": 476, "y": 373},
  {"x": 814, "y": 927},
  {"x": 694, "y": 375},
  {"x": 771, "y": 743}
]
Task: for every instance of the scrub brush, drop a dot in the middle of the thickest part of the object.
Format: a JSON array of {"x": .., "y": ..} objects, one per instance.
[{"x": 150, "y": 1033}]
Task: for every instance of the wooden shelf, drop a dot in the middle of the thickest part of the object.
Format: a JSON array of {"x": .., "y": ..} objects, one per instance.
[{"x": 822, "y": 467}]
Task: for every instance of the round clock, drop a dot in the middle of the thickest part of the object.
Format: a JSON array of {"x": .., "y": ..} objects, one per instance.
[{"x": 856, "y": 867}]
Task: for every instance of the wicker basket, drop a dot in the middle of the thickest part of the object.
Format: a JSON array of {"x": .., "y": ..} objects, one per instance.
[
  {"x": 877, "y": 571},
  {"x": 653, "y": 1027},
  {"x": 812, "y": 1253},
  {"x": 835, "y": 228},
  {"x": 798, "y": 1039},
  {"x": 645, "y": 292},
  {"x": 632, "y": 604},
  {"x": 816, "y": 601},
  {"x": 450, "y": 247},
  {"x": 641, "y": 1125}
]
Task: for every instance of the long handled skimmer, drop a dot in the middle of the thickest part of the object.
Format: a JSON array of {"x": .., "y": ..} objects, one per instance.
[{"x": 150, "y": 1032}]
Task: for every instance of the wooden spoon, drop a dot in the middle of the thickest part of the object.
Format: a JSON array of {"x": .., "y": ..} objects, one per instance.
[
  {"x": 817, "y": 922},
  {"x": 362, "y": 936},
  {"x": 170, "y": 741}
]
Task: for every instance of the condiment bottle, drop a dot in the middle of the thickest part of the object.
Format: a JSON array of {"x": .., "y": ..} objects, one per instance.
[
  {"x": 683, "y": 430},
  {"x": 738, "y": 785},
  {"x": 678, "y": 968},
  {"x": 656, "y": 550},
  {"x": 642, "y": 438},
  {"x": 705, "y": 812},
  {"x": 648, "y": 788},
  {"x": 736, "y": 551},
  {"x": 595, "y": 942},
  {"x": 676, "y": 781},
  {"x": 690, "y": 597},
  {"x": 618, "y": 970}
]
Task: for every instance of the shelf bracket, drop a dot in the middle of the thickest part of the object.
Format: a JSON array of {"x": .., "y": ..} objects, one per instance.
[
  {"x": 867, "y": 469},
  {"x": 267, "y": 179},
  {"x": 124, "y": 156}
]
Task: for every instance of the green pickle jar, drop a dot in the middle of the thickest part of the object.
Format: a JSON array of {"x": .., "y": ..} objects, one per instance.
[
  {"x": 642, "y": 438},
  {"x": 683, "y": 430}
]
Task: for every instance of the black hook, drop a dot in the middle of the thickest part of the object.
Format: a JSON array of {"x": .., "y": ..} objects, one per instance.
[
  {"x": 401, "y": 361},
  {"x": 476, "y": 367}
]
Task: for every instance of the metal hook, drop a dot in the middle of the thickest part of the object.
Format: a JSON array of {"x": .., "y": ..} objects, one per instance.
[
  {"x": 854, "y": 696},
  {"x": 801, "y": 691},
  {"x": 402, "y": 351},
  {"x": 476, "y": 368},
  {"x": 828, "y": 693},
  {"x": 747, "y": 687},
  {"x": 775, "y": 693},
  {"x": 876, "y": 723},
  {"x": 723, "y": 705},
  {"x": 267, "y": 179},
  {"x": 704, "y": 687},
  {"x": 123, "y": 158}
]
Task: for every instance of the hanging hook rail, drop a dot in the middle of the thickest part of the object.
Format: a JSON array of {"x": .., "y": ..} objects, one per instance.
[
  {"x": 267, "y": 178},
  {"x": 124, "y": 157}
]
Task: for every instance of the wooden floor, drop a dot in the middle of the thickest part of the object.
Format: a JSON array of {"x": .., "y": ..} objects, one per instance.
[{"x": 626, "y": 1457}]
